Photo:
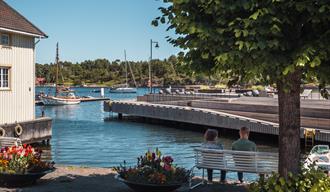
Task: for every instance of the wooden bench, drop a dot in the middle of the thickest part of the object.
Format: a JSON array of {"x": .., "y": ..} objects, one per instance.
[
  {"x": 10, "y": 141},
  {"x": 262, "y": 163}
]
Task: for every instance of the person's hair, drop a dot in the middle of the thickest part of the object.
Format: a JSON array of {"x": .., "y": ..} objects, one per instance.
[
  {"x": 245, "y": 130},
  {"x": 210, "y": 135}
]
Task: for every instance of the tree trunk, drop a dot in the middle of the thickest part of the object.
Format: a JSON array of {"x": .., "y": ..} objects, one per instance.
[{"x": 289, "y": 123}]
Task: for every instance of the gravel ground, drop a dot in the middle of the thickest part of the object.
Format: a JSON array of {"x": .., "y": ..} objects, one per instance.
[{"x": 82, "y": 179}]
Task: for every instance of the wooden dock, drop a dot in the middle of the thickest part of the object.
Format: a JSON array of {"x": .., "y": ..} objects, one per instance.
[
  {"x": 37, "y": 130},
  {"x": 207, "y": 117},
  {"x": 87, "y": 99}
]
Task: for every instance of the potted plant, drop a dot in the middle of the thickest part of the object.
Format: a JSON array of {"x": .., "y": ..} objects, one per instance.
[
  {"x": 153, "y": 172},
  {"x": 22, "y": 165}
]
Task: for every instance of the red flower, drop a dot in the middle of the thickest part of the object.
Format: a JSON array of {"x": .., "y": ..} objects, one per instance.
[{"x": 168, "y": 159}]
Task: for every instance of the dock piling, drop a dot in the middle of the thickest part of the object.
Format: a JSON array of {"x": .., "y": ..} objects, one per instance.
[{"x": 120, "y": 116}]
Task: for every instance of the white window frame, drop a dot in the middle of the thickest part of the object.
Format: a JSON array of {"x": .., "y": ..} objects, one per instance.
[
  {"x": 8, "y": 36},
  {"x": 2, "y": 69}
]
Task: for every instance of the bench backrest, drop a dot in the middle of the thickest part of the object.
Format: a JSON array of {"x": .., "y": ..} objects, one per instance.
[
  {"x": 244, "y": 161},
  {"x": 306, "y": 93},
  {"x": 10, "y": 141}
]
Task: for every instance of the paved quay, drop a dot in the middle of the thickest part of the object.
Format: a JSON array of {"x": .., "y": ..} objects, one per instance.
[
  {"x": 83, "y": 179},
  {"x": 260, "y": 114},
  {"x": 319, "y": 123}
]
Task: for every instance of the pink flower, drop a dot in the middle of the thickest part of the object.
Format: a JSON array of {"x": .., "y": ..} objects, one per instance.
[{"x": 167, "y": 167}]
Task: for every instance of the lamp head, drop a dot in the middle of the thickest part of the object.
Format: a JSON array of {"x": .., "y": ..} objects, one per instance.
[{"x": 156, "y": 46}]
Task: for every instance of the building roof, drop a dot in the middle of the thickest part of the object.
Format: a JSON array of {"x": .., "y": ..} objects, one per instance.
[{"x": 13, "y": 21}]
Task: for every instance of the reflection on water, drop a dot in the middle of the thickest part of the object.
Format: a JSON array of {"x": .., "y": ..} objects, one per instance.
[{"x": 82, "y": 137}]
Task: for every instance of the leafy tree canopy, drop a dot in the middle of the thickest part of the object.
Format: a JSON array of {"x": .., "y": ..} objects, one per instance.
[
  {"x": 264, "y": 39},
  {"x": 275, "y": 41},
  {"x": 103, "y": 72}
]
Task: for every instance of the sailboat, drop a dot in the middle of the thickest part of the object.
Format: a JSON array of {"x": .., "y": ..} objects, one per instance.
[
  {"x": 125, "y": 88},
  {"x": 63, "y": 95}
]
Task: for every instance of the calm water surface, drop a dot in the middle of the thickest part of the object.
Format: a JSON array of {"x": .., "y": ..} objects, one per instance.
[{"x": 82, "y": 137}]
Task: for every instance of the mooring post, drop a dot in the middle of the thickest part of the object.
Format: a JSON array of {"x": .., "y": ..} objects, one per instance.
[
  {"x": 42, "y": 111},
  {"x": 120, "y": 116}
]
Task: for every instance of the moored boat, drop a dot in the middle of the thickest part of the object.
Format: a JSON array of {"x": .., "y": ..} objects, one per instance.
[
  {"x": 70, "y": 99},
  {"x": 320, "y": 157},
  {"x": 123, "y": 90},
  {"x": 63, "y": 95}
]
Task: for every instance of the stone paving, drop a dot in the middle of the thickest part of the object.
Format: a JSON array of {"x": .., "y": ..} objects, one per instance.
[{"x": 82, "y": 179}]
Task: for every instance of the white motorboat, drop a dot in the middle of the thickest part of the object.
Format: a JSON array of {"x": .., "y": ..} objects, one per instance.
[
  {"x": 320, "y": 156},
  {"x": 123, "y": 90}
]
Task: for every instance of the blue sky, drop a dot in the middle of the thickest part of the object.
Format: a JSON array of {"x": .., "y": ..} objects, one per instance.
[{"x": 91, "y": 29}]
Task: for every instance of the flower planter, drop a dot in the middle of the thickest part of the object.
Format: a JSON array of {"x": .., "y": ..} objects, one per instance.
[
  {"x": 20, "y": 180},
  {"x": 139, "y": 187}
]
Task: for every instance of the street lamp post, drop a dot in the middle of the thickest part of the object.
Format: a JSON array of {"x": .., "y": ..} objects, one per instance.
[{"x": 150, "y": 76}]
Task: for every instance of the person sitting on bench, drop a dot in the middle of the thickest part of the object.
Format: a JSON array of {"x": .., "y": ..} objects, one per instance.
[
  {"x": 211, "y": 137},
  {"x": 243, "y": 144}
]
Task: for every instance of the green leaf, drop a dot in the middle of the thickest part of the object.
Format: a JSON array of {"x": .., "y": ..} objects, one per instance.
[
  {"x": 223, "y": 58},
  {"x": 231, "y": 23},
  {"x": 205, "y": 55},
  {"x": 247, "y": 45},
  {"x": 245, "y": 33},
  {"x": 316, "y": 62},
  {"x": 237, "y": 33},
  {"x": 275, "y": 29},
  {"x": 154, "y": 23},
  {"x": 278, "y": 188},
  {"x": 162, "y": 20},
  {"x": 241, "y": 44},
  {"x": 255, "y": 15},
  {"x": 282, "y": 181},
  {"x": 192, "y": 29},
  {"x": 322, "y": 9},
  {"x": 288, "y": 69},
  {"x": 220, "y": 30}
]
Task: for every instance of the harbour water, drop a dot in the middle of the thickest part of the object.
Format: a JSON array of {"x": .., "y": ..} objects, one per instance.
[{"x": 82, "y": 137}]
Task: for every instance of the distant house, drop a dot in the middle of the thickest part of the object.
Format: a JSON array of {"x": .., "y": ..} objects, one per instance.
[
  {"x": 17, "y": 68},
  {"x": 40, "y": 81}
]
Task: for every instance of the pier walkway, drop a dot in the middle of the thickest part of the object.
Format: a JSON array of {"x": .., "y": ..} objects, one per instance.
[{"x": 208, "y": 117}]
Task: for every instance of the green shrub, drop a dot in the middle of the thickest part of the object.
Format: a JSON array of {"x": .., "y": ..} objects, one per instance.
[
  {"x": 258, "y": 87},
  {"x": 309, "y": 180},
  {"x": 220, "y": 86}
]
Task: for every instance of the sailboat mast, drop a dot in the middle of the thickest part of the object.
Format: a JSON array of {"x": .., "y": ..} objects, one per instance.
[
  {"x": 126, "y": 68},
  {"x": 57, "y": 63}
]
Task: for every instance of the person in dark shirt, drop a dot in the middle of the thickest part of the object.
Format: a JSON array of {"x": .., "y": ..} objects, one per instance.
[{"x": 243, "y": 144}]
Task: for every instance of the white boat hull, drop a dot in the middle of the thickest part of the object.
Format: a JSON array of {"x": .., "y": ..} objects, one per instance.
[
  {"x": 59, "y": 101},
  {"x": 123, "y": 90},
  {"x": 319, "y": 158}
]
